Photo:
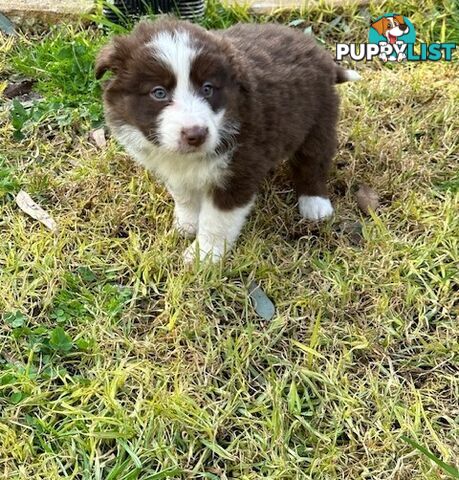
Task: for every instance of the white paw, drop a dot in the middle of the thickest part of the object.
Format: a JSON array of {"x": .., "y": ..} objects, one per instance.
[
  {"x": 206, "y": 251},
  {"x": 187, "y": 230},
  {"x": 315, "y": 208},
  {"x": 186, "y": 225}
]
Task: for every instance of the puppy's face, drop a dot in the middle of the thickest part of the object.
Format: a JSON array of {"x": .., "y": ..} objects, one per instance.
[
  {"x": 174, "y": 82},
  {"x": 391, "y": 27}
]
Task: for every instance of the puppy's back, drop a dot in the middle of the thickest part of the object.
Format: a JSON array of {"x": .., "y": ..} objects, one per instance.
[
  {"x": 292, "y": 82},
  {"x": 282, "y": 53}
]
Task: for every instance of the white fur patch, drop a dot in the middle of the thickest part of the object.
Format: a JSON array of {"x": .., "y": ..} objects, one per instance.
[
  {"x": 352, "y": 76},
  {"x": 315, "y": 208},
  {"x": 190, "y": 172},
  {"x": 174, "y": 49},
  {"x": 217, "y": 231},
  {"x": 188, "y": 109}
]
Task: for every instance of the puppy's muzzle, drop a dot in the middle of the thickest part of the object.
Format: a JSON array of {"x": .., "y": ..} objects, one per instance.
[{"x": 194, "y": 136}]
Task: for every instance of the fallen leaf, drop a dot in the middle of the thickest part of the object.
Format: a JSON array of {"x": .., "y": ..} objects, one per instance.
[
  {"x": 6, "y": 26},
  {"x": 15, "y": 89},
  {"x": 98, "y": 137},
  {"x": 333, "y": 24},
  {"x": 27, "y": 205},
  {"x": 296, "y": 23},
  {"x": 261, "y": 303},
  {"x": 352, "y": 230},
  {"x": 367, "y": 199}
]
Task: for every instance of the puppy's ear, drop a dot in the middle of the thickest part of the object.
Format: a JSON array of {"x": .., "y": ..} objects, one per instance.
[
  {"x": 114, "y": 55},
  {"x": 240, "y": 71},
  {"x": 380, "y": 26},
  {"x": 242, "y": 78},
  {"x": 400, "y": 19},
  {"x": 105, "y": 60}
]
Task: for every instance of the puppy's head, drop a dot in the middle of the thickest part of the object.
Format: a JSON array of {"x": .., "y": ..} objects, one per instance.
[
  {"x": 391, "y": 27},
  {"x": 173, "y": 81}
]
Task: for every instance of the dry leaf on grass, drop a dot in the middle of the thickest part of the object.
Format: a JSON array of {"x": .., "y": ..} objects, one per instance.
[
  {"x": 6, "y": 25},
  {"x": 16, "y": 89},
  {"x": 27, "y": 205},
  {"x": 261, "y": 303},
  {"x": 98, "y": 137},
  {"x": 352, "y": 231},
  {"x": 367, "y": 199}
]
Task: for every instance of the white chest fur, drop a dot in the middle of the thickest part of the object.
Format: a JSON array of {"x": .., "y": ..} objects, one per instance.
[{"x": 193, "y": 172}]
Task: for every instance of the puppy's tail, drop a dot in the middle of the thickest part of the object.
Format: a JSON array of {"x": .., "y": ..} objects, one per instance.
[{"x": 343, "y": 75}]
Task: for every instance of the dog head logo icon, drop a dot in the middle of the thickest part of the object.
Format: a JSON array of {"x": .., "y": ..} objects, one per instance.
[{"x": 391, "y": 29}]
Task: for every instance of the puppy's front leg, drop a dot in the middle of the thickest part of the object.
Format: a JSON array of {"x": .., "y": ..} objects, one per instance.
[
  {"x": 217, "y": 231},
  {"x": 186, "y": 211}
]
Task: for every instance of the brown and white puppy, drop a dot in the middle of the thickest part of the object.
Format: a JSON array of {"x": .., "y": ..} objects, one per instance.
[{"x": 211, "y": 113}]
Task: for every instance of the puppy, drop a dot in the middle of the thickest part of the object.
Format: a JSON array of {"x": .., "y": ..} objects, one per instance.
[{"x": 211, "y": 113}]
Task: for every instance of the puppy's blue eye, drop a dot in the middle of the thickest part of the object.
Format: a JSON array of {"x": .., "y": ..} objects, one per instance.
[
  {"x": 159, "y": 93},
  {"x": 207, "y": 90}
]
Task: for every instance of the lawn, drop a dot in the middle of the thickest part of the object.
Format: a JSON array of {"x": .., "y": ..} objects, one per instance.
[{"x": 117, "y": 361}]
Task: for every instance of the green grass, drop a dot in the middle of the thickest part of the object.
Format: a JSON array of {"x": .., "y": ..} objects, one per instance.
[{"x": 118, "y": 362}]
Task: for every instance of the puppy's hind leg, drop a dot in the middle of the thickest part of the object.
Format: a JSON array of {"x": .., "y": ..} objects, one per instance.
[{"x": 310, "y": 167}]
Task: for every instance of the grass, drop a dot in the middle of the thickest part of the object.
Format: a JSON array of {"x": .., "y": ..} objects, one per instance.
[{"x": 117, "y": 362}]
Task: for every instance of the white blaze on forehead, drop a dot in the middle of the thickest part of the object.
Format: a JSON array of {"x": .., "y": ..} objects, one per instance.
[{"x": 174, "y": 49}]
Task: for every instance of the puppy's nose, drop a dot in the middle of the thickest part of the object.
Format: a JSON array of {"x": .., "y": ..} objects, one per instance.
[
  {"x": 403, "y": 27},
  {"x": 194, "y": 136}
]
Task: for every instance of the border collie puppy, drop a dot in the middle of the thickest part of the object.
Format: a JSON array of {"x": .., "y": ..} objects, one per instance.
[{"x": 212, "y": 112}]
